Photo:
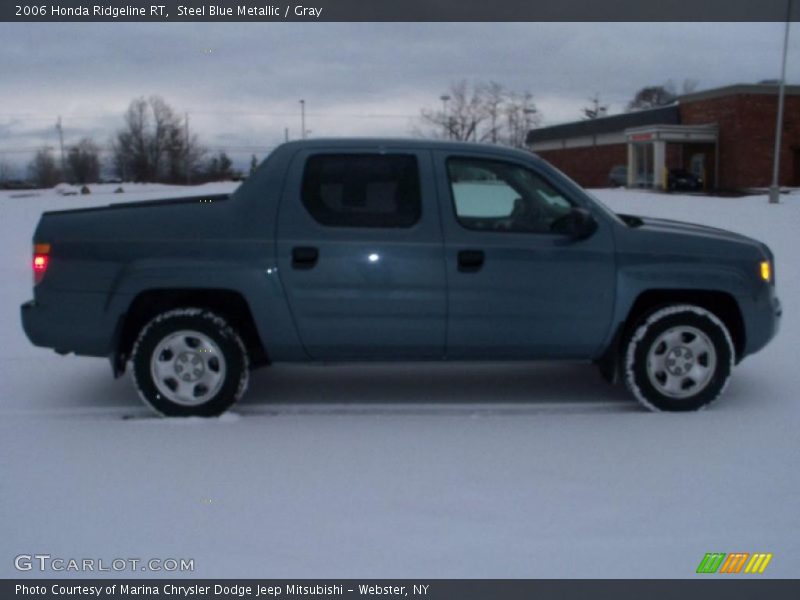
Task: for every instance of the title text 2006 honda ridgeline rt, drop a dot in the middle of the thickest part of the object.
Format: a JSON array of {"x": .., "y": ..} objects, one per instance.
[{"x": 352, "y": 250}]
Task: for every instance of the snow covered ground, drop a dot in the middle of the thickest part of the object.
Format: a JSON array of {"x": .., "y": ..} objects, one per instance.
[{"x": 509, "y": 470}]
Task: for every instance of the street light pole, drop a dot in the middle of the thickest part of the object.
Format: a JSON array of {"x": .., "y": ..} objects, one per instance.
[
  {"x": 775, "y": 190},
  {"x": 302, "y": 119},
  {"x": 186, "y": 141}
]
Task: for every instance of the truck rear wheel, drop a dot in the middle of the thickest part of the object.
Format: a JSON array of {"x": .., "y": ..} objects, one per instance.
[
  {"x": 679, "y": 358},
  {"x": 189, "y": 362}
]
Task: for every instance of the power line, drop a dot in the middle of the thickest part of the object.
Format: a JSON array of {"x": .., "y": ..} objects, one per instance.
[
  {"x": 213, "y": 147},
  {"x": 100, "y": 121},
  {"x": 104, "y": 151},
  {"x": 224, "y": 113}
]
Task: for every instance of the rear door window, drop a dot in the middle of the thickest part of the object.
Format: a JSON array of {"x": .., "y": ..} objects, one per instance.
[{"x": 362, "y": 190}]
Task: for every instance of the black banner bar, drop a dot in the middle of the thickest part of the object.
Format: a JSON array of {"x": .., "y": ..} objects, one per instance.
[
  {"x": 710, "y": 588},
  {"x": 393, "y": 10}
]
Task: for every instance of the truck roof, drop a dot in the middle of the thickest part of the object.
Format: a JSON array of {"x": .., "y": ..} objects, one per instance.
[{"x": 416, "y": 143}]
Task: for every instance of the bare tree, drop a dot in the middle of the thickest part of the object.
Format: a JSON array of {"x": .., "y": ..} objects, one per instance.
[
  {"x": 689, "y": 86},
  {"x": 522, "y": 115},
  {"x": 165, "y": 136},
  {"x": 6, "y": 172},
  {"x": 464, "y": 114},
  {"x": 219, "y": 168},
  {"x": 153, "y": 145},
  {"x": 595, "y": 110},
  {"x": 653, "y": 96},
  {"x": 129, "y": 148},
  {"x": 84, "y": 161},
  {"x": 660, "y": 95},
  {"x": 482, "y": 113},
  {"x": 43, "y": 169},
  {"x": 495, "y": 98},
  {"x": 184, "y": 156}
]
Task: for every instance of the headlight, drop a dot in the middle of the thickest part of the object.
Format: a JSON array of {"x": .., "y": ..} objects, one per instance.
[{"x": 766, "y": 270}]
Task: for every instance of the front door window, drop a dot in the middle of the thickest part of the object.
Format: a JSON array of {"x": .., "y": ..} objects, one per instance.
[{"x": 500, "y": 196}]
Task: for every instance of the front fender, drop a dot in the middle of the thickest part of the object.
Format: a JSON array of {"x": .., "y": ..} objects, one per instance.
[{"x": 633, "y": 280}]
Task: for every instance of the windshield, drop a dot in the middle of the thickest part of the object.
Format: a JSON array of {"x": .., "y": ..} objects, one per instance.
[{"x": 594, "y": 199}]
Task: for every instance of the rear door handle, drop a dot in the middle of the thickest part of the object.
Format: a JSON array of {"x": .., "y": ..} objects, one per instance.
[
  {"x": 304, "y": 257},
  {"x": 470, "y": 261}
]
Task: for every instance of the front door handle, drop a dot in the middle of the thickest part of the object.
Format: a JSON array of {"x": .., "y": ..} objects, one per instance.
[
  {"x": 470, "y": 261},
  {"x": 304, "y": 257}
]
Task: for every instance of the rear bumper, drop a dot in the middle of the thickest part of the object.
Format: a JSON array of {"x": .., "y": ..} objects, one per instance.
[
  {"x": 76, "y": 323},
  {"x": 34, "y": 326}
]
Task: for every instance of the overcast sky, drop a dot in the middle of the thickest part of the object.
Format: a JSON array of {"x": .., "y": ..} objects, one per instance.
[{"x": 241, "y": 82}]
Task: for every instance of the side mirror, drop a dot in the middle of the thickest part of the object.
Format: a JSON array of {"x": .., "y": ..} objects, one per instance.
[
  {"x": 578, "y": 224},
  {"x": 585, "y": 224}
]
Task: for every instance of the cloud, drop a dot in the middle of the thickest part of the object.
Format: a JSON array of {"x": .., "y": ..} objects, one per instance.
[{"x": 240, "y": 82}]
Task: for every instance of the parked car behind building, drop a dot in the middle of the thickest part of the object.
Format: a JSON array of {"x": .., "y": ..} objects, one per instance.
[
  {"x": 618, "y": 177},
  {"x": 681, "y": 179}
]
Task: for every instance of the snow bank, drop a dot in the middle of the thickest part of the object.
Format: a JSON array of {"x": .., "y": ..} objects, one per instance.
[{"x": 507, "y": 470}]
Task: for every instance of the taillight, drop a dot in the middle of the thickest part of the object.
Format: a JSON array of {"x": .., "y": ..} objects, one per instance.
[{"x": 41, "y": 258}]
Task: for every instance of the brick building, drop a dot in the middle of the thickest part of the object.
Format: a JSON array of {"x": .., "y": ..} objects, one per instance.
[{"x": 726, "y": 135}]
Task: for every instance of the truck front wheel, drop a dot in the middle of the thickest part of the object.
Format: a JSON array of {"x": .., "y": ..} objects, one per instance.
[
  {"x": 189, "y": 362},
  {"x": 679, "y": 358}
]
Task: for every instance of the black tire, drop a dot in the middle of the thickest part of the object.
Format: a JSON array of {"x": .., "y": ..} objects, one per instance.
[
  {"x": 227, "y": 353},
  {"x": 647, "y": 378}
]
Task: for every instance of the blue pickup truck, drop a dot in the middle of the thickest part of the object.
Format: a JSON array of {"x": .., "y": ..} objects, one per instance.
[{"x": 391, "y": 250}]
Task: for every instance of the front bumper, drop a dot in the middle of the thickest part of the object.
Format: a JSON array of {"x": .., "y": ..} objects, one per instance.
[
  {"x": 777, "y": 312},
  {"x": 762, "y": 320}
]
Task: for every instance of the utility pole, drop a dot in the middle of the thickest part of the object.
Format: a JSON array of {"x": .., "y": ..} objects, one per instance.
[
  {"x": 444, "y": 98},
  {"x": 285, "y": 134},
  {"x": 302, "y": 119},
  {"x": 61, "y": 141},
  {"x": 186, "y": 142},
  {"x": 775, "y": 189}
]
